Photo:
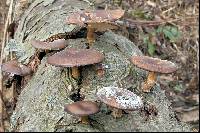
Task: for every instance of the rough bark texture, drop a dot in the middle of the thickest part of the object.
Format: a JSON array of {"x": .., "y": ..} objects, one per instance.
[{"x": 40, "y": 106}]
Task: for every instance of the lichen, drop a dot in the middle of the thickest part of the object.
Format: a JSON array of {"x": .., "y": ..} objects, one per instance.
[{"x": 23, "y": 51}]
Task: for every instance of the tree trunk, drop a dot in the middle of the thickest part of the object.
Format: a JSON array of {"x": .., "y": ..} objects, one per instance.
[{"x": 40, "y": 106}]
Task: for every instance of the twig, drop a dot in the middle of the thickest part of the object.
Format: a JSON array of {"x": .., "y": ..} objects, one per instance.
[
  {"x": 132, "y": 23},
  {"x": 1, "y": 61}
]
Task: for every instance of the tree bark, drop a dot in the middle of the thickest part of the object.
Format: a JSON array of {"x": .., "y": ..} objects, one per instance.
[{"x": 40, "y": 106}]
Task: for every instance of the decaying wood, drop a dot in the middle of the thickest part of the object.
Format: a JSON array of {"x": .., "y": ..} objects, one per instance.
[
  {"x": 5, "y": 39},
  {"x": 40, "y": 106}
]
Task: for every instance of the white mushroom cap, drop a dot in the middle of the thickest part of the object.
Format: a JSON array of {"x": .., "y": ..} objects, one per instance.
[{"x": 120, "y": 98}]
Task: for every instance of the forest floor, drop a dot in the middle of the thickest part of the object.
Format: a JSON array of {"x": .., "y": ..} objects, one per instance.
[{"x": 166, "y": 29}]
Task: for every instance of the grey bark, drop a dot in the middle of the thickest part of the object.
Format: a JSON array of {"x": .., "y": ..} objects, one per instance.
[{"x": 40, "y": 106}]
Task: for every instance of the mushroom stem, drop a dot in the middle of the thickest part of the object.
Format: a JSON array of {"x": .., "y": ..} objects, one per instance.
[
  {"x": 90, "y": 34},
  {"x": 84, "y": 120},
  {"x": 150, "y": 82},
  {"x": 13, "y": 94},
  {"x": 116, "y": 113},
  {"x": 75, "y": 72}
]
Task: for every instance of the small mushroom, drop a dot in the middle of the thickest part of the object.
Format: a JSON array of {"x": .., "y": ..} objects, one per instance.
[
  {"x": 42, "y": 48},
  {"x": 119, "y": 99},
  {"x": 15, "y": 70},
  {"x": 55, "y": 45},
  {"x": 13, "y": 67},
  {"x": 97, "y": 20},
  {"x": 74, "y": 58},
  {"x": 82, "y": 109},
  {"x": 154, "y": 66}
]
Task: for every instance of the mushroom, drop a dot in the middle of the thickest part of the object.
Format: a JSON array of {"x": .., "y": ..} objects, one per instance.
[
  {"x": 154, "y": 66},
  {"x": 103, "y": 26},
  {"x": 74, "y": 58},
  {"x": 82, "y": 109},
  {"x": 14, "y": 68},
  {"x": 97, "y": 20},
  {"x": 93, "y": 27},
  {"x": 42, "y": 48},
  {"x": 119, "y": 99},
  {"x": 55, "y": 45}
]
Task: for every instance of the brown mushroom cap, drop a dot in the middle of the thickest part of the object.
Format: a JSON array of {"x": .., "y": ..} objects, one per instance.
[
  {"x": 153, "y": 64},
  {"x": 82, "y": 108},
  {"x": 104, "y": 15},
  {"x": 55, "y": 45},
  {"x": 75, "y": 57},
  {"x": 95, "y": 16},
  {"x": 14, "y": 68},
  {"x": 75, "y": 18},
  {"x": 119, "y": 98},
  {"x": 25, "y": 70}
]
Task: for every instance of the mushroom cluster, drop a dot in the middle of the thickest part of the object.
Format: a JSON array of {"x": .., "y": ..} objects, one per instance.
[
  {"x": 118, "y": 99},
  {"x": 73, "y": 58}
]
